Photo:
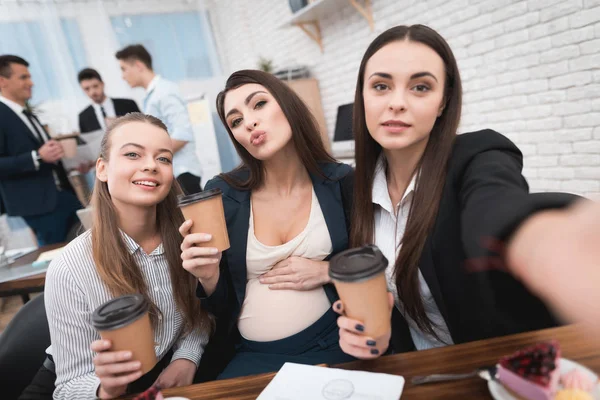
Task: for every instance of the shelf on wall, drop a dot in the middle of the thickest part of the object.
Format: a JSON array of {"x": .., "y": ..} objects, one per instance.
[{"x": 308, "y": 17}]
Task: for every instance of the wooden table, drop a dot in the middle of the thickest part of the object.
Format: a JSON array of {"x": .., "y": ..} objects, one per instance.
[
  {"x": 575, "y": 344},
  {"x": 30, "y": 284}
]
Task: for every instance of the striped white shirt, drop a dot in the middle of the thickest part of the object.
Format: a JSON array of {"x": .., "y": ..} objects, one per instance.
[
  {"x": 74, "y": 290},
  {"x": 390, "y": 224}
]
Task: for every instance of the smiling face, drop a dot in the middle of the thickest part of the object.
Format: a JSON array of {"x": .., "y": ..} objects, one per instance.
[
  {"x": 256, "y": 121},
  {"x": 403, "y": 94},
  {"x": 139, "y": 169},
  {"x": 18, "y": 85}
]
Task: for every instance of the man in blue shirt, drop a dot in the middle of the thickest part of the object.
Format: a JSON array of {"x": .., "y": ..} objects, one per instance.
[{"x": 164, "y": 102}]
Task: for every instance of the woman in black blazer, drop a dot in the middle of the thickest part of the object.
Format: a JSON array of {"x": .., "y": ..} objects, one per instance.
[
  {"x": 441, "y": 206},
  {"x": 284, "y": 207}
]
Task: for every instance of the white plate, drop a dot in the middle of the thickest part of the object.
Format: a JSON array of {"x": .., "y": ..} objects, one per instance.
[{"x": 499, "y": 392}]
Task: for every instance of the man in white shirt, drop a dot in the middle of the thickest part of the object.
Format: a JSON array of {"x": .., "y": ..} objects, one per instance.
[
  {"x": 33, "y": 183},
  {"x": 164, "y": 102}
]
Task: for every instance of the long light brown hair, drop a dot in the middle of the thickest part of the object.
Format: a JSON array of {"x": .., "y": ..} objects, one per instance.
[
  {"x": 117, "y": 267},
  {"x": 305, "y": 131},
  {"x": 432, "y": 166}
]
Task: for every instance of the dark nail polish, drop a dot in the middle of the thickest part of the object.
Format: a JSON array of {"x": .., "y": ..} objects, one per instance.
[
  {"x": 374, "y": 352},
  {"x": 371, "y": 343},
  {"x": 359, "y": 328},
  {"x": 338, "y": 306}
]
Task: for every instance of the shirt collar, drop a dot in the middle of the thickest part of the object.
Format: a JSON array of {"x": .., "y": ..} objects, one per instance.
[
  {"x": 103, "y": 104},
  {"x": 380, "y": 193},
  {"x": 133, "y": 246},
  {"x": 152, "y": 84},
  {"x": 17, "y": 108}
]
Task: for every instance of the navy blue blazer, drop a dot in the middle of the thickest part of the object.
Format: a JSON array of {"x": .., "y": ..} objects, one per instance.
[
  {"x": 226, "y": 302},
  {"x": 25, "y": 191}
]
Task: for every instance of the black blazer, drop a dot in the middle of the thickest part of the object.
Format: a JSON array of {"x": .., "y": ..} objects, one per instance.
[
  {"x": 25, "y": 191},
  {"x": 485, "y": 196},
  {"x": 88, "y": 122}
]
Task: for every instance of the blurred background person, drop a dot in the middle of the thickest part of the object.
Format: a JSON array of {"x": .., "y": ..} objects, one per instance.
[
  {"x": 33, "y": 182},
  {"x": 98, "y": 114},
  {"x": 103, "y": 108},
  {"x": 165, "y": 103}
]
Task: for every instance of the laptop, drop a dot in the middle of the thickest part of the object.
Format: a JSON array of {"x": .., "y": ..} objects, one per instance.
[
  {"x": 85, "y": 216},
  {"x": 343, "y": 140}
]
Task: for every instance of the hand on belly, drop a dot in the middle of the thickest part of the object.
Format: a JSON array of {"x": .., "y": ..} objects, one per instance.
[
  {"x": 276, "y": 314},
  {"x": 297, "y": 273}
]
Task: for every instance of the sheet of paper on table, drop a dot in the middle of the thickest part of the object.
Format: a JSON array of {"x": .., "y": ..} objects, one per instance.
[
  {"x": 49, "y": 255},
  {"x": 17, "y": 253},
  {"x": 301, "y": 382}
]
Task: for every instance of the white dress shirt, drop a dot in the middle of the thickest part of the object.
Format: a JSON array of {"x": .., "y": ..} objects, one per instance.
[
  {"x": 73, "y": 291},
  {"x": 390, "y": 224},
  {"x": 164, "y": 102},
  {"x": 109, "y": 109},
  {"x": 18, "y": 109}
]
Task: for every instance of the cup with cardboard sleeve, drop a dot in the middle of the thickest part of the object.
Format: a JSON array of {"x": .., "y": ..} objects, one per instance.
[
  {"x": 125, "y": 321},
  {"x": 205, "y": 209},
  {"x": 359, "y": 277},
  {"x": 68, "y": 143}
]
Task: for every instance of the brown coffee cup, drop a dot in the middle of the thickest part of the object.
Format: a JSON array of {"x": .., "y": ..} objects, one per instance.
[
  {"x": 206, "y": 210},
  {"x": 359, "y": 277},
  {"x": 126, "y": 323},
  {"x": 69, "y": 144}
]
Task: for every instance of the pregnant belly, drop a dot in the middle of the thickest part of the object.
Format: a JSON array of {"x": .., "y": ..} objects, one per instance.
[{"x": 269, "y": 315}]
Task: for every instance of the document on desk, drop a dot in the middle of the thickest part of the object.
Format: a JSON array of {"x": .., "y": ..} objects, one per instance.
[{"x": 301, "y": 382}]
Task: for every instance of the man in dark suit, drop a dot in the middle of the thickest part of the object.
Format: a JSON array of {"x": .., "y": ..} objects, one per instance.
[
  {"x": 33, "y": 182},
  {"x": 103, "y": 108}
]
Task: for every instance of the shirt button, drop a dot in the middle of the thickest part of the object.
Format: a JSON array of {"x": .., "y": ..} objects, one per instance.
[
  {"x": 160, "y": 317},
  {"x": 156, "y": 289}
]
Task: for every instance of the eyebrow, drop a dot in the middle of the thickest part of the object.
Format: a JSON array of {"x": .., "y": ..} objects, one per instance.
[
  {"x": 413, "y": 76},
  {"x": 250, "y": 96},
  {"x": 139, "y": 146}
]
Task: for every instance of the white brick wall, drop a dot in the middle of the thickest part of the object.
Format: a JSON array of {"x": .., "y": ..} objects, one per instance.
[{"x": 530, "y": 68}]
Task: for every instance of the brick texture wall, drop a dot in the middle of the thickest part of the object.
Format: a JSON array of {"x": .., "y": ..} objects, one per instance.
[{"x": 530, "y": 68}]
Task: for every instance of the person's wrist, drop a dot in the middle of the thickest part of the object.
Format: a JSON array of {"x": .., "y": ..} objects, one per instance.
[
  {"x": 105, "y": 395},
  {"x": 521, "y": 250},
  {"x": 209, "y": 283},
  {"x": 102, "y": 393}
]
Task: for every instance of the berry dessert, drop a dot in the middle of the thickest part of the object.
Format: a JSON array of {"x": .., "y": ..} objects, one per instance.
[{"x": 532, "y": 373}]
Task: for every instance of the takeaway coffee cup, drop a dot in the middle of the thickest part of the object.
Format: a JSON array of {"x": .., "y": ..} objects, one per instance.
[
  {"x": 69, "y": 144},
  {"x": 359, "y": 277},
  {"x": 206, "y": 210},
  {"x": 126, "y": 323}
]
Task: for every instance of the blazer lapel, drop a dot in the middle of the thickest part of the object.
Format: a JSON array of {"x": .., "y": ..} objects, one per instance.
[
  {"x": 119, "y": 111},
  {"x": 427, "y": 269},
  {"x": 30, "y": 134},
  {"x": 330, "y": 199},
  {"x": 17, "y": 121},
  {"x": 237, "y": 224}
]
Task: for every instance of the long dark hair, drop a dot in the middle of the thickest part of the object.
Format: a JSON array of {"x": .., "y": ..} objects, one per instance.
[
  {"x": 432, "y": 166},
  {"x": 305, "y": 131},
  {"x": 117, "y": 267}
]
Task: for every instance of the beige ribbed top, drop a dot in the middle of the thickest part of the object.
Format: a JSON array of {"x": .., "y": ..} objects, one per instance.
[{"x": 276, "y": 314}]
